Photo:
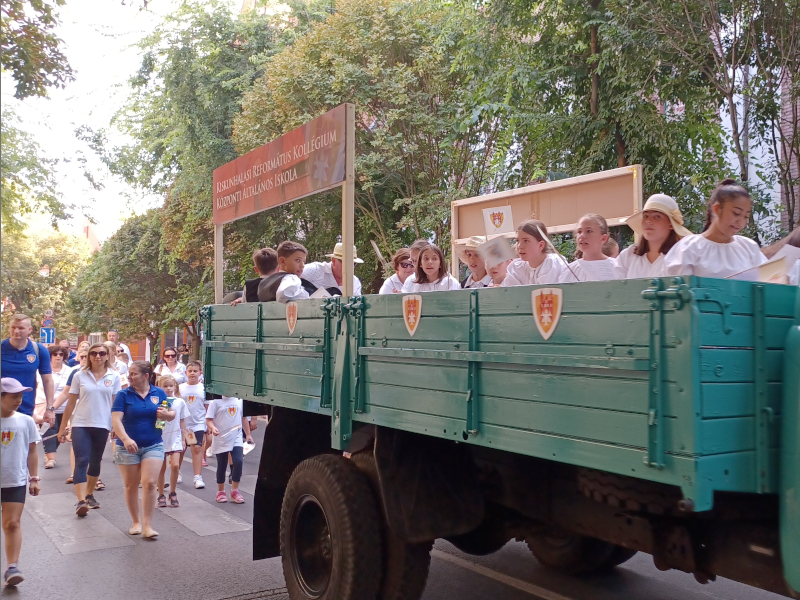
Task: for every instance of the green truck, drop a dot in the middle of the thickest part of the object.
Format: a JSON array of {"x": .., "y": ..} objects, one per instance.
[{"x": 591, "y": 420}]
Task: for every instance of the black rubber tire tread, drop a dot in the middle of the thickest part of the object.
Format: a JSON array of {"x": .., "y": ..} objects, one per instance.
[
  {"x": 347, "y": 500},
  {"x": 629, "y": 493},
  {"x": 405, "y": 566},
  {"x": 584, "y": 556},
  {"x": 619, "y": 555}
]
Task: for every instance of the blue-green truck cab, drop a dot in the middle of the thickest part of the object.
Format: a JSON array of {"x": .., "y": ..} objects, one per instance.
[{"x": 660, "y": 416}]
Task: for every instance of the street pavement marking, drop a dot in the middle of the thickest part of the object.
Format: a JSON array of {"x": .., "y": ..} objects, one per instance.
[
  {"x": 519, "y": 584},
  {"x": 204, "y": 518},
  {"x": 55, "y": 514}
]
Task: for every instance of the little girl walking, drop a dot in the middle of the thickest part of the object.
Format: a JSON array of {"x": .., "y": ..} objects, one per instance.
[
  {"x": 224, "y": 423},
  {"x": 172, "y": 438}
]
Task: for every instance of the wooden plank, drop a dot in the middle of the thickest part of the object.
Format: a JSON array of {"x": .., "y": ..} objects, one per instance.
[
  {"x": 627, "y": 329},
  {"x": 722, "y": 365},
  {"x": 712, "y": 334},
  {"x": 736, "y": 399},
  {"x": 274, "y": 363},
  {"x": 734, "y": 434},
  {"x": 779, "y": 299},
  {"x": 306, "y": 328}
]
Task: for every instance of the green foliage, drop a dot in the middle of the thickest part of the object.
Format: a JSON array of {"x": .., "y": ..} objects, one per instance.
[
  {"x": 29, "y": 48},
  {"x": 32, "y": 293},
  {"x": 27, "y": 183}
]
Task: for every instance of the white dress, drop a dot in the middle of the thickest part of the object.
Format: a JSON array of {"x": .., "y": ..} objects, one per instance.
[
  {"x": 521, "y": 273},
  {"x": 392, "y": 285},
  {"x": 470, "y": 283},
  {"x": 632, "y": 266},
  {"x": 697, "y": 255},
  {"x": 448, "y": 282},
  {"x": 590, "y": 270}
]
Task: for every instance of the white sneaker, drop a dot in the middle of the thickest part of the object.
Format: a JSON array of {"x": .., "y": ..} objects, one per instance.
[
  {"x": 208, "y": 452},
  {"x": 199, "y": 484},
  {"x": 180, "y": 477}
]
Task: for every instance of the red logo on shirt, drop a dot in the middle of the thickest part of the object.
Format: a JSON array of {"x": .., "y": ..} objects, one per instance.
[
  {"x": 154, "y": 399},
  {"x": 191, "y": 399},
  {"x": 232, "y": 411},
  {"x": 6, "y": 437},
  {"x": 108, "y": 383},
  {"x": 31, "y": 358}
]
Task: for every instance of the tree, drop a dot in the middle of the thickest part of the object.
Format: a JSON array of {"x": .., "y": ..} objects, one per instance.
[
  {"x": 30, "y": 287},
  {"x": 27, "y": 182},
  {"x": 30, "y": 49}
]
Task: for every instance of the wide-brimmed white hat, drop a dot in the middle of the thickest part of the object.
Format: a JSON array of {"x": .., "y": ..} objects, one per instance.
[
  {"x": 663, "y": 204},
  {"x": 338, "y": 252},
  {"x": 471, "y": 244}
]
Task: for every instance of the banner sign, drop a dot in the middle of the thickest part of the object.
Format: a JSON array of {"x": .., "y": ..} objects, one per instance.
[{"x": 304, "y": 161}]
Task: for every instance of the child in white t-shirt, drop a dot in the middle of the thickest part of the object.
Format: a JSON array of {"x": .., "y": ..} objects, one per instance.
[
  {"x": 18, "y": 467},
  {"x": 172, "y": 438},
  {"x": 431, "y": 273},
  {"x": 224, "y": 422},
  {"x": 718, "y": 251},
  {"x": 536, "y": 263},
  {"x": 591, "y": 264},
  {"x": 194, "y": 394}
]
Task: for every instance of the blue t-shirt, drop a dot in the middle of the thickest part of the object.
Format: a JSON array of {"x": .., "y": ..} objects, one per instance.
[
  {"x": 139, "y": 415},
  {"x": 22, "y": 366}
]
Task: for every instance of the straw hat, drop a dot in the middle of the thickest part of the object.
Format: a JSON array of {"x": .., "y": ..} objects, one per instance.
[
  {"x": 338, "y": 252},
  {"x": 471, "y": 244},
  {"x": 663, "y": 204}
]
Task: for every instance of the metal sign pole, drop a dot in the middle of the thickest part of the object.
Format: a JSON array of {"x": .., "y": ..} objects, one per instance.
[
  {"x": 218, "y": 272},
  {"x": 348, "y": 203}
]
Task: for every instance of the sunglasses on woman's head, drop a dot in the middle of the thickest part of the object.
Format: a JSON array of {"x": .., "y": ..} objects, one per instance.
[{"x": 98, "y": 353}]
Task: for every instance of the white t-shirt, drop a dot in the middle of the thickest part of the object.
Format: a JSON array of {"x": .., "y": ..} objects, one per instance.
[
  {"x": 589, "y": 270},
  {"x": 226, "y": 414},
  {"x": 290, "y": 289},
  {"x": 194, "y": 397},
  {"x": 18, "y": 433},
  {"x": 321, "y": 275},
  {"x": 632, "y": 266},
  {"x": 448, "y": 282},
  {"x": 521, "y": 273},
  {"x": 59, "y": 382},
  {"x": 171, "y": 435},
  {"x": 392, "y": 285},
  {"x": 697, "y": 255},
  {"x": 470, "y": 283},
  {"x": 179, "y": 373},
  {"x": 121, "y": 367},
  {"x": 94, "y": 398}
]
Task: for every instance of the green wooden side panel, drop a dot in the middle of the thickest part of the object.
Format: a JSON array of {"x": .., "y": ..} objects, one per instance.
[{"x": 584, "y": 396}]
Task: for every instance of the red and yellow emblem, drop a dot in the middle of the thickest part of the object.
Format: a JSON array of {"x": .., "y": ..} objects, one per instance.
[
  {"x": 547, "y": 304},
  {"x": 232, "y": 411},
  {"x": 291, "y": 316},
  {"x": 497, "y": 219},
  {"x": 412, "y": 310},
  {"x": 6, "y": 437}
]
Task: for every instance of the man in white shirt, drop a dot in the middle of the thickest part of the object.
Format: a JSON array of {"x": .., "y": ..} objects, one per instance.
[
  {"x": 329, "y": 274},
  {"x": 113, "y": 336}
]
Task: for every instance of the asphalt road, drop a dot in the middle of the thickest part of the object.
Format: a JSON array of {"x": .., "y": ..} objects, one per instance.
[{"x": 204, "y": 553}]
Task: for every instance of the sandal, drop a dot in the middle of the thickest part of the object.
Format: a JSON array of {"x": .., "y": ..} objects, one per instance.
[
  {"x": 162, "y": 501},
  {"x": 100, "y": 486},
  {"x": 69, "y": 479}
]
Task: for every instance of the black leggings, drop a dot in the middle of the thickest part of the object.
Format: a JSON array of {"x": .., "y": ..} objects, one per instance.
[
  {"x": 222, "y": 464},
  {"x": 88, "y": 444},
  {"x": 51, "y": 443}
]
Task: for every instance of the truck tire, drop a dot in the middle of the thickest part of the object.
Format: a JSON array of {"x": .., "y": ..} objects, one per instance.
[
  {"x": 570, "y": 553},
  {"x": 405, "y": 566},
  {"x": 629, "y": 493},
  {"x": 619, "y": 555},
  {"x": 330, "y": 532}
]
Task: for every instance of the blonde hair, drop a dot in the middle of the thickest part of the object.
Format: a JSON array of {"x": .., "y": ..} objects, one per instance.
[
  {"x": 112, "y": 354},
  {"x": 165, "y": 379}
]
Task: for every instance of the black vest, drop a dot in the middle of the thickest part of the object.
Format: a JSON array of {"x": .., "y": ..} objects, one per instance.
[
  {"x": 268, "y": 287},
  {"x": 251, "y": 289}
]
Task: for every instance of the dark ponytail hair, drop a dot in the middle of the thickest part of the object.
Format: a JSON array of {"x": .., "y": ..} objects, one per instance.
[
  {"x": 144, "y": 366},
  {"x": 726, "y": 190}
]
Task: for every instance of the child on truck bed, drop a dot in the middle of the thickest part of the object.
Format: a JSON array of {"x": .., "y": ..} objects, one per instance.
[
  {"x": 592, "y": 264},
  {"x": 536, "y": 263},
  {"x": 431, "y": 273}
]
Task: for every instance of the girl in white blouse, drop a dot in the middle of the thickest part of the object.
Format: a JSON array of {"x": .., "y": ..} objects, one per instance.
[
  {"x": 431, "y": 274},
  {"x": 536, "y": 262},
  {"x": 592, "y": 265},
  {"x": 718, "y": 251},
  {"x": 658, "y": 228}
]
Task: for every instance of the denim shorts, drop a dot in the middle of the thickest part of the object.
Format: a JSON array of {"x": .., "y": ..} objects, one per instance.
[{"x": 123, "y": 457}]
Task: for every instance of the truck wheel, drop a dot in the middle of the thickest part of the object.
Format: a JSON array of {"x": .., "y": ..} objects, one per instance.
[
  {"x": 619, "y": 555},
  {"x": 629, "y": 493},
  {"x": 569, "y": 553},
  {"x": 330, "y": 532},
  {"x": 405, "y": 566}
]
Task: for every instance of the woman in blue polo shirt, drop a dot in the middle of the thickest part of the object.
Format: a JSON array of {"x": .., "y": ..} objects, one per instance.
[{"x": 139, "y": 451}]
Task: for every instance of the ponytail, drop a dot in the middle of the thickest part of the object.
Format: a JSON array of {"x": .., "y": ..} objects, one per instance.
[
  {"x": 535, "y": 229},
  {"x": 726, "y": 190},
  {"x": 144, "y": 367}
]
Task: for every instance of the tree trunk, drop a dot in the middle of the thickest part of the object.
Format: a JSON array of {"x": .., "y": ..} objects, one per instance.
[
  {"x": 621, "y": 162},
  {"x": 594, "y": 50}
]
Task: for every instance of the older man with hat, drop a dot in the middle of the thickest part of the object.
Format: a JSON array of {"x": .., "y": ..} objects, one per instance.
[{"x": 329, "y": 274}]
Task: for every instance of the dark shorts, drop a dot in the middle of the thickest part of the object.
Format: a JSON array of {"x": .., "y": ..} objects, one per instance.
[
  {"x": 199, "y": 435},
  {"x": 13, "y": 494}
]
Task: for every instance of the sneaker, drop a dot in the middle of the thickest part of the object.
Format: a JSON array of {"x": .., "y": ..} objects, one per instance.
[
  {"x": 92, "y": 502},
  {"x": 199, "y": 484},
  {"x": 49, "y": 464},
  {"x": 205, "y": 462},
  {"x": 180, "y": 477},
  {"x": 237, "y": 497},
  {"x": 208, "y": 452},
  {"x": 162, "y": 501},
  {"x": 82, "y": 508},
  {"x": 222, "y": 497},
  {"x": 173, "y": 500},
  {"x": 13, "y": 577}
]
